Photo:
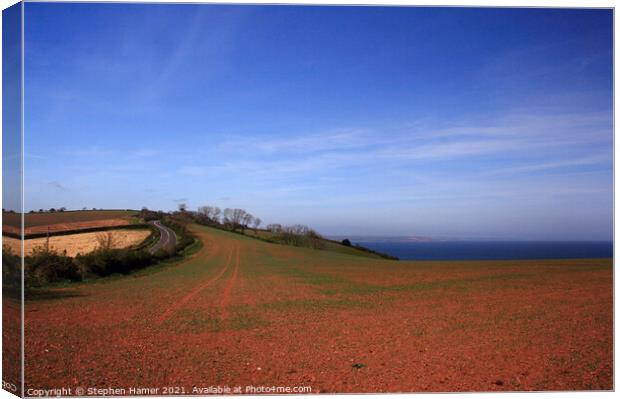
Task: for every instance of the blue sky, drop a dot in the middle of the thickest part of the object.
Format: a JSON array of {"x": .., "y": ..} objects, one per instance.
[
  {"x": 468, "y": 123},
  {"x": 11, "y": 107}
]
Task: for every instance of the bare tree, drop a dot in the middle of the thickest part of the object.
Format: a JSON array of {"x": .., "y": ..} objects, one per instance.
[
  {"x": 47, "y": 240},
  {"x": 211, "y": 212},
  {"x": 105, "y": 241},
  {"x": 314, "y": 239},
  {"x": 232, "y": 219},
  {"x": 247, "y": 219},
  {"x": 274, "y": 228},
  {"x": 227, "y": 217},
  {"x": 237, "y": 218},
  {"x": 256, "y": 223},
  {"x": 299, "y": 235},
  {"x": 216, "y": 214}
]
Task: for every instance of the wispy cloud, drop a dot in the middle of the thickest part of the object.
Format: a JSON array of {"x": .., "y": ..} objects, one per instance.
[
  {"x": 88, "y": 152},
  {"x": 329, "y": 140},
  {"x": 144, "y": 152},
  {"x": 448, "y": 150},
  {"x": 601, "y": 159},
  {"x": 56, "y": 185},
  {"x": 530, "y": 141}
]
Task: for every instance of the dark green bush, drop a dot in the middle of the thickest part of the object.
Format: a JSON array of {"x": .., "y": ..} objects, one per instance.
[
  {"x": 103, "y": 262},
  {"x": 11, "y": 272},
  {"x": 299, "y": 236},
  {"x": 45, "y": 266},
  {"x": 161, "y": 254}
]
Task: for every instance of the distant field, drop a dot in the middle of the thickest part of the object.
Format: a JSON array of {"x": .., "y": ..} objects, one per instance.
[
  {"x": 245, "y": 312},
  {"x": 80, "y": 243},
  {"x": 36, "y": 223}
]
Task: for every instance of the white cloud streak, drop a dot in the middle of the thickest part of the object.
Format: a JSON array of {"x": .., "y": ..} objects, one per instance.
[{"x": 539, "y": 142}]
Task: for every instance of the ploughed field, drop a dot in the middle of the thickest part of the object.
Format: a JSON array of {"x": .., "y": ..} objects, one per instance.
[
  {"x": 243, "y": 312},
  {"x": 44, "y": 222}
]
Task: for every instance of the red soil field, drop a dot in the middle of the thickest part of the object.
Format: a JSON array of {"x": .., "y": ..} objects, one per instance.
[
  {"x": 243, "y": 312},
  {"x": 36, "y": 223},
  {"x": 11, "y": 342}
]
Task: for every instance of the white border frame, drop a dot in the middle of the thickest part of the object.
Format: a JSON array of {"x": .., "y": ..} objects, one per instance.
[{"x": 446, "y": 3}]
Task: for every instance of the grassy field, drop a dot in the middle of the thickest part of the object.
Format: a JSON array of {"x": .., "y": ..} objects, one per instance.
[
  {"x": 243, "y": 312},
  {"x": 80, "y": 243},
  {"x": 329, "y": 245}
]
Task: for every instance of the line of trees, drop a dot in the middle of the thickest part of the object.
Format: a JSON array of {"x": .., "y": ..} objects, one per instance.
[
  {"x": 297, "y": 235},
  {"x": 51, "y": 210},
  {"x": 231, "y": 219},
  {"x": 239, "y": 220}
]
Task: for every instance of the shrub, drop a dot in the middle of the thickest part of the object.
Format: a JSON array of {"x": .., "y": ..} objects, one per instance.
[
  {"x": 105, "y": 241},
  {"x": 346, "y": 242},
  {"x": 315, "y": 240},
  {"x": 184, "y": 241},
  {"x": 11, "y": 271},
  {"x": 103, "y": 262},
  {"x": 300, "y": 236},
  {"x": 147, "y": 215},
  {"x": 44, "y": 266},
  {"x": 161, "y": 254}
]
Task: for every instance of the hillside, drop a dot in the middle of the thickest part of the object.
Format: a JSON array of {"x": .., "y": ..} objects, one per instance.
[
  {"x": 326, "y": 244},
  {"x": 234, "y": 310}
]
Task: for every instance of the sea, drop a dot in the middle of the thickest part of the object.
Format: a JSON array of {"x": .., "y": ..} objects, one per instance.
[{"x": 491, "y": 250}]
